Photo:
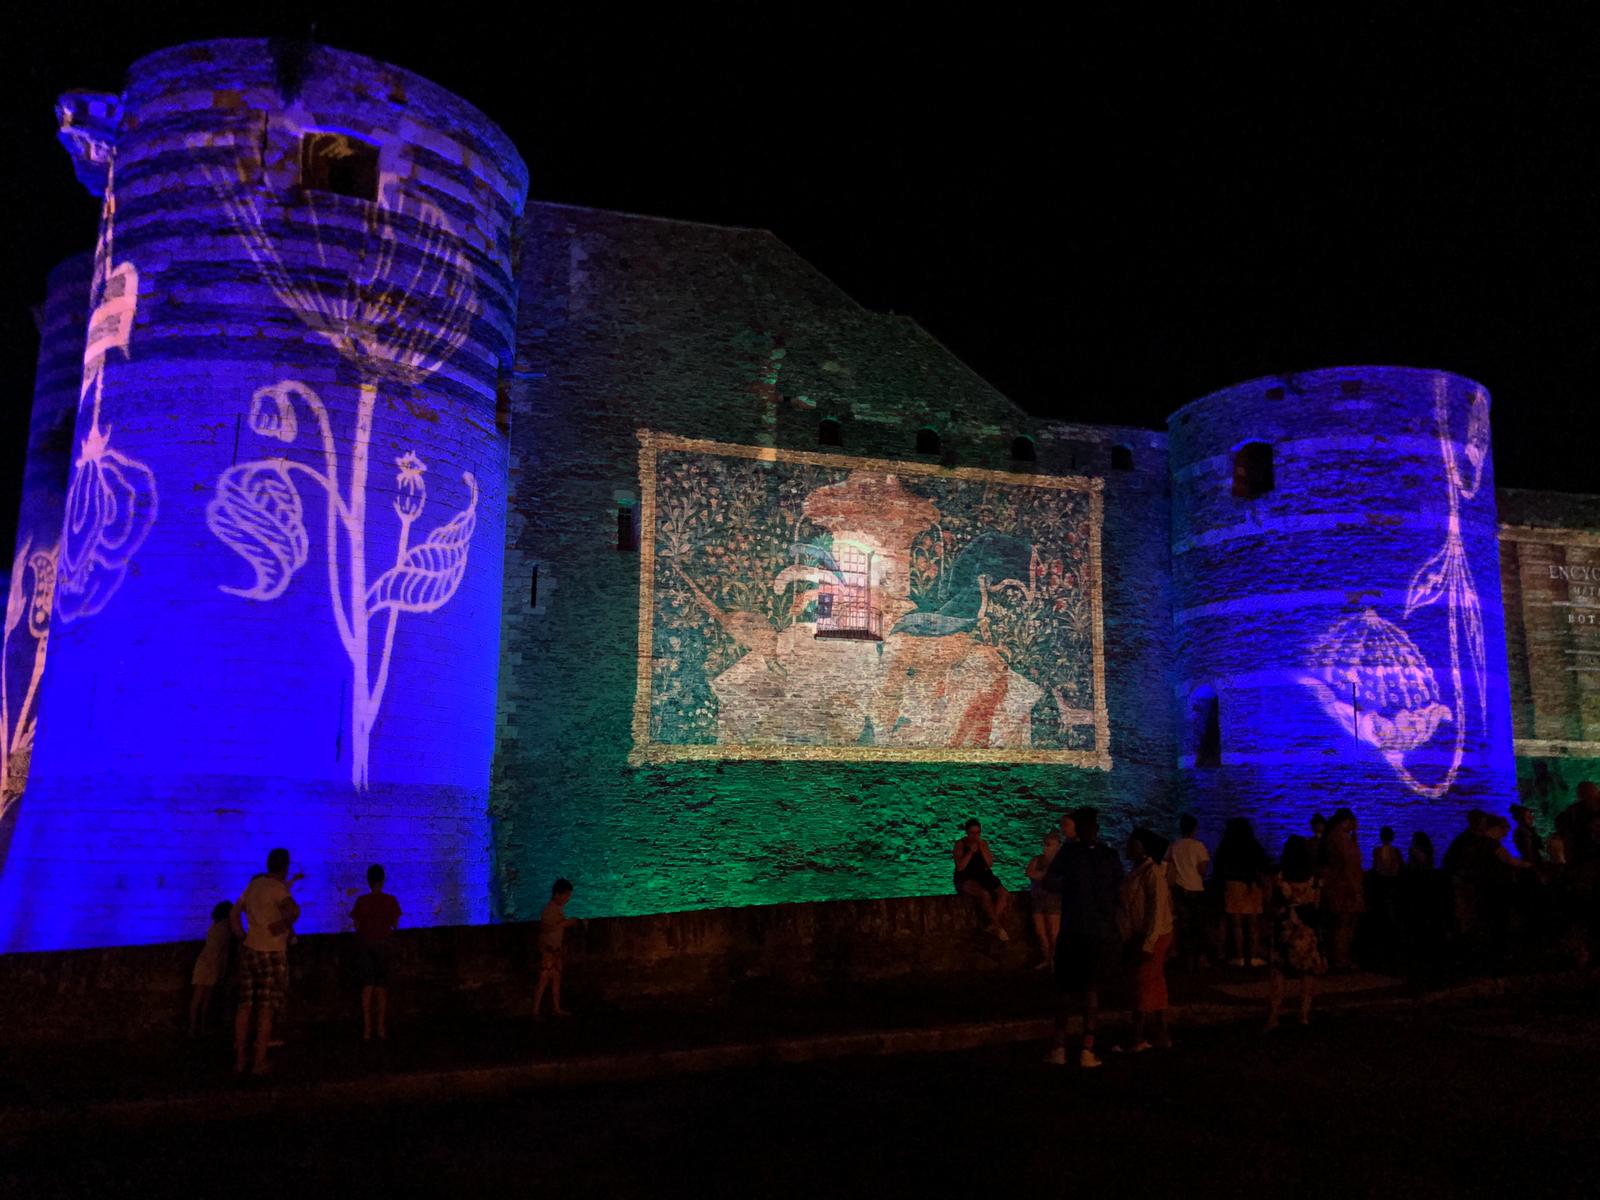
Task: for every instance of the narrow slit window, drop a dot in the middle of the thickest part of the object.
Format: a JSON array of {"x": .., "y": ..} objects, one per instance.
[
  {"x": 830, "y": 432},
  {"x": 1122, "y": 458},
  {"x": 533, "y": 588},
  {"x": 627, "y": 528},
  {"x": 339, "y": 163},
  {"x": 1204, "y": 712},
  {"x": 927, "y": 441},
  {"x": 1022, "y": 449},
  {"x": 1252, "y": 470}
]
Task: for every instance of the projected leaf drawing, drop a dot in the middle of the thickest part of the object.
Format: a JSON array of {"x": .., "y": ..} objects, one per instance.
[
  {"x": 111, "y": 498},
  {"x": 391, "y": 291},
  {"x": 28, "y": 605},
  {"x": 257, "y": 512},
  {"x": 1368, "y": 674}
]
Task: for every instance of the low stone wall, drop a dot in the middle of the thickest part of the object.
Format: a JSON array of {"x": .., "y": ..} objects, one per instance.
[{"x": 689, "y": 959}]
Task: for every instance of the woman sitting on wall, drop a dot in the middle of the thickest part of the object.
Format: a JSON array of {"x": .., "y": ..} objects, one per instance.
[{"x": 975, "y": 877}]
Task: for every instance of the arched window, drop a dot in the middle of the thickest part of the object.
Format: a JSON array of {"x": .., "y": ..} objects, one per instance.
[
  {"x": 627, "y": 529},
  {"x": 927, "y": 440},
  {"x": 1205, "y": 727},
  {"x": 830, "y": 432},
  {"x": 1252, "y": 470},
  {"x": 1122, "y": 458},
  {"x": 1022, "y": 449}
]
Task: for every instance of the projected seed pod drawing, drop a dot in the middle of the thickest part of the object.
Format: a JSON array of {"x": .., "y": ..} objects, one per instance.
[
  {"x": 396, "y": 317},
  {"x": 111, "y": 498},
  {"x": 1370, "y": 676},
  {"x": 28, "y": 605}
]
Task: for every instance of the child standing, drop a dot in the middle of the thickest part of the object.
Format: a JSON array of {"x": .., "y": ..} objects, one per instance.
[
  {"x": 210, "y": 967},
  {"x": 553, "y": 922},
  {"x": 1046, "y": 905},
  {"x": 1147, "y": 919},
  {"x": 377, "y": 915}
]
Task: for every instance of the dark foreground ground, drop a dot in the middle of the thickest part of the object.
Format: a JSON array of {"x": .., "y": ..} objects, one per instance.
[{"x": 1501, "y": 1097}]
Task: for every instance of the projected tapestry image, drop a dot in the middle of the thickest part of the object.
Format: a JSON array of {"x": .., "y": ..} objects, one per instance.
[{"x": 799, "y": 605}]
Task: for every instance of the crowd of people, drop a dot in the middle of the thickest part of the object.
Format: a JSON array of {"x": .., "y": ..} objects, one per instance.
[
  {"x": 1104, "y": 927},
  {"x": 246, "y": 953}
]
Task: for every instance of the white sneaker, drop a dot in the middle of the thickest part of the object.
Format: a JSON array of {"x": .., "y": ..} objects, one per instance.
[
  {"x": 1258, "y": 962},
  {"x": 1087, "y": 1060},
  {"x": 1057, "y": 1057},
  {"x": 1140, "y": 1047}
]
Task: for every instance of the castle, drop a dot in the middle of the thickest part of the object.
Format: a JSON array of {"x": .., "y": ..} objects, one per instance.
[{"x": 377, "y": 511}]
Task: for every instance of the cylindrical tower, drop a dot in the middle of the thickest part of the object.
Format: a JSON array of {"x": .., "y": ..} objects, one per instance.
[
  {"x": 1337, "y": 603},
  {"x": 279, "y": 584},
  {"x": 62, "y": 320}
]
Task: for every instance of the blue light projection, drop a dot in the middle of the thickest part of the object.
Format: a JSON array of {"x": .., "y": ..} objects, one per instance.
[
  {"x": 1347, "y": 616},
  {"x": 1371, "y": 678},
  {"x": 312, "y": 381}
]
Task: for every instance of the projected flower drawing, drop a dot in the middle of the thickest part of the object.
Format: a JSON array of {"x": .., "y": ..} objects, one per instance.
[
  {"x": 111, "y": 498},
  {"x": 392, "y": 294},
  {"x": 28, "y": 605},
  {"x": 1369, "y": 675},
  {"x": 826, "y": 607}
]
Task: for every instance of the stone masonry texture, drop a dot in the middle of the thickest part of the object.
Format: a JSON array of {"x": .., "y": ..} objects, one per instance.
[
  {"x": 631, "y": 323},
  {"x": 206, "y": 705}
]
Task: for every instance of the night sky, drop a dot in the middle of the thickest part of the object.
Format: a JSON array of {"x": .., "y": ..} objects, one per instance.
[{"x": 1104, "y": 220}]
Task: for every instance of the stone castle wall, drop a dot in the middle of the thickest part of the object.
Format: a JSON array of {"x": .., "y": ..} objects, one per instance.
[
  {"x": 1550, "y": 577},
  {"x": 722, "y": 334}
]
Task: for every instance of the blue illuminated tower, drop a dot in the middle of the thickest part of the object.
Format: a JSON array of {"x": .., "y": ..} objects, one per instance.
[
  {"x": 1337, "y": 601},
  {"x": 279, "y": 581}
]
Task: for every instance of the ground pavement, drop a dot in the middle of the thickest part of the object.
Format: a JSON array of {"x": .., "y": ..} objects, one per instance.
[{"x": 1475, "y": 1099}]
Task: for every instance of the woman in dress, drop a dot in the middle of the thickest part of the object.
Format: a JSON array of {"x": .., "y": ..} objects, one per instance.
[
  {"x": 1241, "y": 865},
  {"x": 1296, "y": 893}
]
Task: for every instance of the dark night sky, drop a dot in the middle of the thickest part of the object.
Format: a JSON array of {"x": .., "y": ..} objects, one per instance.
[{"x": 1106, "y": 220}]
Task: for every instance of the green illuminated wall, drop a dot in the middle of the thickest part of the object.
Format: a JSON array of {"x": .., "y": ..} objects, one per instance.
[
  {"x": 706, "y": 333},
  {"x": 1550, "y": 576}
]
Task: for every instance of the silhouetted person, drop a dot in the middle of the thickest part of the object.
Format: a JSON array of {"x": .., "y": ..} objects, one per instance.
[
  {"x": 1188, "y": 860},
  {"x": 1045, "y": 904},
  {"x": 1576, "y": 824},
  {"x": 210, "y": 966},
  {"x": 264, "y": 918},
  {"x": 975, "y": 878},
  {"x": 1343, "y": 894},
  {"x": 1147, "y": 920},
  {"x": 377, "y": 916},
  {"x": 553, "y": 923},
  {"x": 1295, "y": 901},
  {"x": 1087, "y": 873},
  {"x": 1241, "y": 865}
]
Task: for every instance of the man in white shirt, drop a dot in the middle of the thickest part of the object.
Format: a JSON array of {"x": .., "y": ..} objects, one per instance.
[
  {"x": 264, "y": 918},
  {"x": 1189, "y": 860}
]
